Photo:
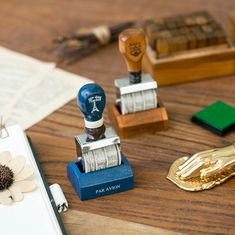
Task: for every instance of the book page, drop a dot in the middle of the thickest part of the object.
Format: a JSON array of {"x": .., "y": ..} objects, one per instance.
[
  {"x": 17, "y": 74},
  {"x": 31, "y": 90}
]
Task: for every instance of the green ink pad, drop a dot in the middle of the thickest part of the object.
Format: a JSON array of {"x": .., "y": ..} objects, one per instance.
[{"x": 218, "y": 117}]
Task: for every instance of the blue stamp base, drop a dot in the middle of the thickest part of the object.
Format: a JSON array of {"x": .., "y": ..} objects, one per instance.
[{"x": 100, "y": 183}]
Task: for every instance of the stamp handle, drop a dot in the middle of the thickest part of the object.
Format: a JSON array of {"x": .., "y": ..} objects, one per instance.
[
  {"x": 91, "y": 102},
  {"x": 132, "y": 45}
]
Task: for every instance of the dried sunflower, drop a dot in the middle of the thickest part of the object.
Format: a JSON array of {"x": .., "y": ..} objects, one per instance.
[{"x": 14, "y": 176}]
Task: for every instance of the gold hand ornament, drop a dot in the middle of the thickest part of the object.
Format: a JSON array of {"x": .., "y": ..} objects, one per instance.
[{"x": 204, "y": 170}]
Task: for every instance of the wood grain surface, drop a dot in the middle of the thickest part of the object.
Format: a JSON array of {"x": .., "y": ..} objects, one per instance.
[
  {"x": 29, "y": 27},
  {"x": 85, "y": 223}
]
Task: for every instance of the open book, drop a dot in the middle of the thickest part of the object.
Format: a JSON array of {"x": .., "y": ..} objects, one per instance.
[{"x": 36, "y": 214}]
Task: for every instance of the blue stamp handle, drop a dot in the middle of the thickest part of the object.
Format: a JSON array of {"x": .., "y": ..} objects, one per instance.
[{"x": 91, "y": 101}]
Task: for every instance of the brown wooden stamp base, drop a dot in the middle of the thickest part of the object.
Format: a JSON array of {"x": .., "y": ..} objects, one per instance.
[{"x": 138, "y": 123}]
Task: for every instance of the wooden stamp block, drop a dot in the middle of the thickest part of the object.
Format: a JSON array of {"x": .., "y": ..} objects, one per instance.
[
  {"x": 170, "y": 23},
  {"x": 173, "y": 41},
  {"x": 211, "y": 38},
  {"x": 190, "y": 21},
  {"x": 173, "y": 45},
  {"x": 162, "y": 47},
  {"x": 200, "y": 36},
  {"x": 165, "y": 34},
  {"x": 182, "y": 42},
  {"x": 214, "y": 35},
  {"x": 201, "y": 20},
  {"x": 193, "y": 52},
  {"x": 152, "y": 41},
  {"x": 155, "y": 31},
  {"x": 180, "y": 21},
  {"x": 192, "y": 41},
  {"x": 220, "y": 37},
  {"x": 210, "y": 34},
  {"x": 151, "y": 27},
  {"x": 175, "y": 32},
  {"x": 202, "y": 17},
  {"x": 184, "y": 30},
  {"x": 138, "y": 123},
  {"x": 207, "y": 28}
]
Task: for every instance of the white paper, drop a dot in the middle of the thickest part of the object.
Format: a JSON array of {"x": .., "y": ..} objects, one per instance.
[
  {"x": 33, "y": 215},
  {"x": 30, "y": 89}
]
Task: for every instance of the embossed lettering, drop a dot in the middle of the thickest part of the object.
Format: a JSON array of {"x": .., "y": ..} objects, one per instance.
[
  {"x": 108, "y": 189},
  {"x": 135, "y": 48}
]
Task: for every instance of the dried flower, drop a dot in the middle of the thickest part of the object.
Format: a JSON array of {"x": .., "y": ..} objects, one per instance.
[
  {"x": 6, "y": 177},
  {"x": 13, "y": 178}
]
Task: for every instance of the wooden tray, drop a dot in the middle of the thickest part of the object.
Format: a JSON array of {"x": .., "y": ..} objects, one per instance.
[{"x": 191, "y": 65}]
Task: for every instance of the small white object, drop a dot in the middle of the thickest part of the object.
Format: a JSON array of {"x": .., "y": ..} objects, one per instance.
[{"x": 59, "y": 198}]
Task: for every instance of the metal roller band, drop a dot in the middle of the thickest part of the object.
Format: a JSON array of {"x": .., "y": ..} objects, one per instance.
[
  {"x": 139, "y": 101},
  {"x": 102, "y": 158}
]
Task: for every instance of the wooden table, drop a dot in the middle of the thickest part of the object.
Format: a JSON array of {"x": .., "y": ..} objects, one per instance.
[{"x": 29, "y": 27}]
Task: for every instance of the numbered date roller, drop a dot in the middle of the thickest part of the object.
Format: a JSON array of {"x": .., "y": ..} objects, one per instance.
[
  {"x": 98, "y": 148},
  {"x": 138, "y": 92}
]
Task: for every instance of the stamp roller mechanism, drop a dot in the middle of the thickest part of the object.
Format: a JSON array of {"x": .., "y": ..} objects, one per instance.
[
  {"x": 98, "y": 148},
  {"x": 137, "y": 108},
  {"x": 100, "y": 168},
  {"x": 136, "y": 93}
]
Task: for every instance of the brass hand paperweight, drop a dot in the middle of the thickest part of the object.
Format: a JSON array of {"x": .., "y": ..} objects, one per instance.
[{"x": 204, "y": 170}]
